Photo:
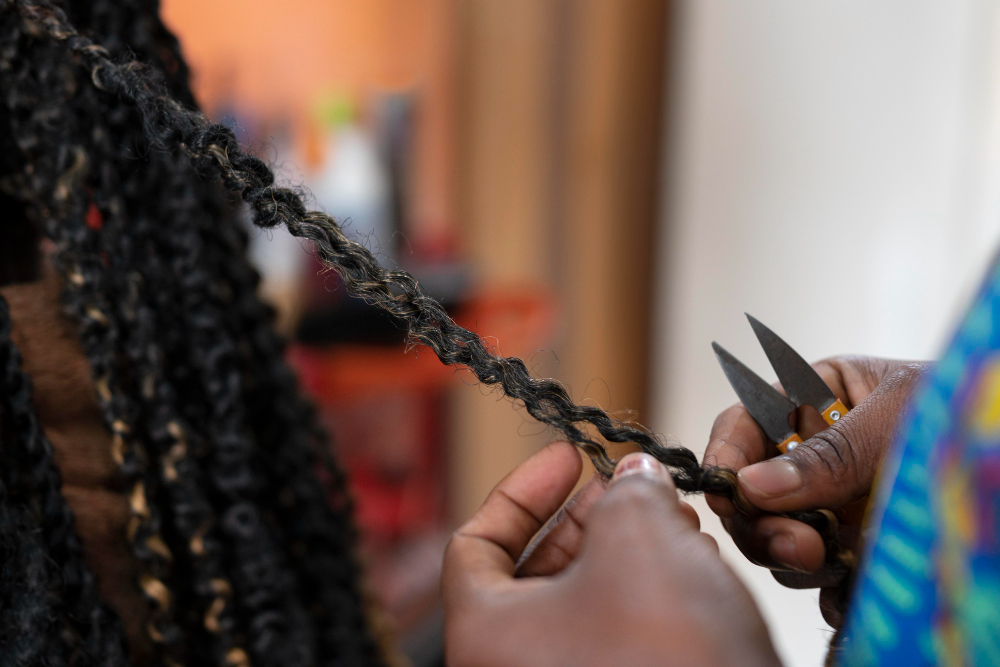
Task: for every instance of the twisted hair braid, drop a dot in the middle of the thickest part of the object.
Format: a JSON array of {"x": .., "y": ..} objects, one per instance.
[
  {"x": 257, "y": 561},
  {"x": 173, "y": 438},
  {"x": 315, "y": 519}
]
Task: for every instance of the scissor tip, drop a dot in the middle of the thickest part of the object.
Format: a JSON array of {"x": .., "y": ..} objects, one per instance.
[{"x": 758, "y": 327}]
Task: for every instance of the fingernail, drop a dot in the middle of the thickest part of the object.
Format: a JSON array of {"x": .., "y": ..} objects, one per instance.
[
  {"x": 770, "y": 479},
  {"x": 637, "y": 464},
  {"x": 784, "y": 551}
]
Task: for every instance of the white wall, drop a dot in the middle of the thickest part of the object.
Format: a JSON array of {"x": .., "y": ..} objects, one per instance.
[{"x": 833, "y": 169}]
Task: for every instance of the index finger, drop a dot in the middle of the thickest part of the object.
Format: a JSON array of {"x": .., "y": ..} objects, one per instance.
[
  {"x": 484, "y": 550},
  {"x": 736, "y": 442}
]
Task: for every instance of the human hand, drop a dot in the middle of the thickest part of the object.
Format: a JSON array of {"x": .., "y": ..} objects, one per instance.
[
  {"x": 625, "y": 578},
  {"x": 834, "y": 468}
]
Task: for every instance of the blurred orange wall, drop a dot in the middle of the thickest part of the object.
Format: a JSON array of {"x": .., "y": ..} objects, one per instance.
[{"x": 276, "y": 58}]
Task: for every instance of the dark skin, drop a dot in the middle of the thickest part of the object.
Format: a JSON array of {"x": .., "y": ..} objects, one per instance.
[
  {"x": 834, "y": 468},
  {"x": 622, "y": 575}
]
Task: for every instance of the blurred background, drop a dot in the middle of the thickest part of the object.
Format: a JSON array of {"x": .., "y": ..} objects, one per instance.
[{"x": 603, "y": 187}]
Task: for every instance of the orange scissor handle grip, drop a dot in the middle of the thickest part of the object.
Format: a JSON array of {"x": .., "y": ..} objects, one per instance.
[
  {"x": 789, "y": 443},
  {"x": 833, "y": 413}
]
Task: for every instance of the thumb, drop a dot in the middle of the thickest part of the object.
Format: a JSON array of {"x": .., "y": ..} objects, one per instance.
[
  {"x": 836, "y": 466},
  {"x": 641, "y": 494}
]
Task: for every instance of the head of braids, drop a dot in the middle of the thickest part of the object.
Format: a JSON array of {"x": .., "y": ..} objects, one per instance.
[
  {"x": 244, "y": 559},
  {"x": 246, "y": 556}
]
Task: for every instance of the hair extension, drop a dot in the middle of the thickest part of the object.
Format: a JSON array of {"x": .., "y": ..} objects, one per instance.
[
  {"x": 258, "y": 566},
  {"x": 302, "y": 509},
  {"x": 172, "y": 442}
]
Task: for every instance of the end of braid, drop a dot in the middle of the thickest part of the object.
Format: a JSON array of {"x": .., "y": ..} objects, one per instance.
[{"x": 723, "y": 482}]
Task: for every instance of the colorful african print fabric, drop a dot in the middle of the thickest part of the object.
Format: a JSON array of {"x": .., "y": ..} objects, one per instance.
[{"x": 929, "y": 589}]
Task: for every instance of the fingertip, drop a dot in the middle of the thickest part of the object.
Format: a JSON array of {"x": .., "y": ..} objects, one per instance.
[
  {"x": 720, "y": 453},
  {"x": 722, "y": 507},
  {"x": 736, "y": 440},
  {"x": 641, "y": 464},
  {"x": 769, "y": 480},
  {"x": 558, "y": 462},
  {"x": 783, "y": 549},
  {"x": 798, "y": 548},
  {"x": 778, "y": 542},
  {"x": 563, "y": 450}
]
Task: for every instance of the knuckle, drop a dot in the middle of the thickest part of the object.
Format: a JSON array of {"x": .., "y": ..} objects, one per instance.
[
  {"x": 841, "y": 364},
  {"x": 454, "y": 546},
  {"x": 872, "y": 369},
  {"x": 907, "y": 373},
  {"x": 449, "y": 549},
  {"x": 727, "y": 416},
  {"x": 738, "y": 452},
  {"x": 832, "y": 449},
  {"x": 836, "y": 361}
]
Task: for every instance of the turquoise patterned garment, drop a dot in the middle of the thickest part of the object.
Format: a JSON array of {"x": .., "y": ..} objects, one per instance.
[{"x": 929, "y": 589}]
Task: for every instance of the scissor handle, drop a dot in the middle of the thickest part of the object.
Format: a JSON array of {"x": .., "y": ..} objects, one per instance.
[
  {"x": 789, "y": 443},
  {"x": 833, "y": 413}
]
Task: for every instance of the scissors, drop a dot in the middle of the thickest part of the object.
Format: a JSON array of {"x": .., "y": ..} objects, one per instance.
[{"x": 769, "y": 407}]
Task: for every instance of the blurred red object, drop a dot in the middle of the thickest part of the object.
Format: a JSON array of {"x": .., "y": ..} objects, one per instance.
[{"x": 385, "y": 407}]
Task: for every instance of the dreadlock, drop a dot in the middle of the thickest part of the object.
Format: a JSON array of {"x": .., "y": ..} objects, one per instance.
[{"x": 246, "y": 556}]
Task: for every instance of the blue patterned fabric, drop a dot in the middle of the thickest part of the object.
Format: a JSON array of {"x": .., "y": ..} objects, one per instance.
[{"x": 929, "y": 589}]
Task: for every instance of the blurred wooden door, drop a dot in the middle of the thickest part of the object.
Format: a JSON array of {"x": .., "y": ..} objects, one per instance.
[{"x": 557, "y": 179}]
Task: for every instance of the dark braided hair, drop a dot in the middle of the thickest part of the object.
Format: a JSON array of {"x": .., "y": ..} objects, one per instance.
[{"x": 246, "y": 557}]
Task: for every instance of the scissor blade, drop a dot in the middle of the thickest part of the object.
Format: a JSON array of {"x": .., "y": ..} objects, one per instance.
[
  {"x": 766, "y": 405},
  {"x": 801, "y": 381}
]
